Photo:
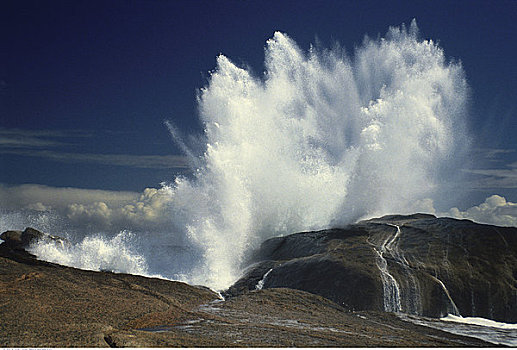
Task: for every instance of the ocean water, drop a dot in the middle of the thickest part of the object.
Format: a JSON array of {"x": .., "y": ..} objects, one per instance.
[
  {"x": 321, "y": 138},
  {"x": 497, "y": 333}
]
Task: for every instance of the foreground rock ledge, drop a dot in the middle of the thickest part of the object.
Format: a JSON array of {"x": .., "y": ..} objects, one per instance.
[{"x": 48, "y": 305}]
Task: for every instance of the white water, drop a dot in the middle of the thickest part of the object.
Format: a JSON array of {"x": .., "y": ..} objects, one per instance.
[
  {"x": 494, "y": 332},
  {"x": 95, "y": 253},
  {"x": 320, "y": 139},
  {"x": 391, "y": 290},
  {"x": 452, "y": 304},
  {"x": 479, "y": 321},
  {"x": 412, "y": 301},
  {"x": 260, "y": 284}
]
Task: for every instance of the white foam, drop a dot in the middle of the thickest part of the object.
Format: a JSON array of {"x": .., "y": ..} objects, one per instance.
[
  {"x": 479, "y": 321},
  {"x": 494, "y": 335},
  {"x": 95, "y": 253}
]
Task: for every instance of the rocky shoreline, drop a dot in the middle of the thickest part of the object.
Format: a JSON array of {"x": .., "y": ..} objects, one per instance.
[{"x": 48, "y": 305}]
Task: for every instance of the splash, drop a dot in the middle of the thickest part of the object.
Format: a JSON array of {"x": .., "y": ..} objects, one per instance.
[
  {"x": 95, "y": 253},
  {"x": 321, "y": 139}
]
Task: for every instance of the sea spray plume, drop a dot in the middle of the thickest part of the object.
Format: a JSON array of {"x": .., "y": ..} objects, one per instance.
[
  {"x": 412, "y": 136},
  {"x": 177, "y": 137},
  {"x": 320, "y": 140}
]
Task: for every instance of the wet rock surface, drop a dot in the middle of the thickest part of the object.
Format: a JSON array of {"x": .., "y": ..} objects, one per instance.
[
  {"x": 416, "y": 264},
  {"x": 48, "y": 305}
]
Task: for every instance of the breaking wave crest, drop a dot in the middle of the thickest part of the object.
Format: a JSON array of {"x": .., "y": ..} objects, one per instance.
[
  {"x": 321, "y": 139},
  {"x": 95, "y": 253}
]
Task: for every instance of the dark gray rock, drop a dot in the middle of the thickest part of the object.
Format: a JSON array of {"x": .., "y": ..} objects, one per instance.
[
  {"x": 16, "y": 243},
  {"x": 432, "y": 266},
  {"x": 21, "y": 239}
]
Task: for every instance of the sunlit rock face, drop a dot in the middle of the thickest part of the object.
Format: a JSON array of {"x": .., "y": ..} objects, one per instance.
[{"x": 416, "y": 264}]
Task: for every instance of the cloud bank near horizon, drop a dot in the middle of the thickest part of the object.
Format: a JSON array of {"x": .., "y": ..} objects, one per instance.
[
  {"x": 494, "y": 210},
  {"x": 84, "y": 210},
  {"x": 93, "y": 211}
]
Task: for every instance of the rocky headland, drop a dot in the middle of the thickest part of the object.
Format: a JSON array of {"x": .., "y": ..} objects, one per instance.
[
  {"x": 416, "y": 264},
  {"x": 315, "y": 289}
]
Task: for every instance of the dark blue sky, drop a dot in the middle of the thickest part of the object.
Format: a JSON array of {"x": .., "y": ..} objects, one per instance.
[{"x": 83, "y": 78}]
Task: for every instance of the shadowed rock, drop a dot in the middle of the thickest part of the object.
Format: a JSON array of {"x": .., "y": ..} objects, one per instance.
[
  {"x": 417, "y": 264},
  {"x": 16, "y": 243},
  {"x": 21, "y": 239}
]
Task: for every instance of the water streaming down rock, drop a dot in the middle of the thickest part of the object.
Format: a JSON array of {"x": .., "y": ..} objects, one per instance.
[
  {"x": 453, "y": 308},
  {"x": 397, "y": 299},
  {"x": 411, "y": 293},
  {"x": 391, "y": 290},
  {"x": 260, "y": 284}
]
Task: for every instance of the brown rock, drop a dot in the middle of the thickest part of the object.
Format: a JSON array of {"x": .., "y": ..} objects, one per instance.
[{"x": 47, "y": 305}]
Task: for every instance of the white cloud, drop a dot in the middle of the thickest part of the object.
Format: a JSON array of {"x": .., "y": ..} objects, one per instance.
[
  {"x": 146, "y": 211},
  {"x": 492, "y": 154},
  {"x": 83, "y": 210},
  {"x": 425, "y": 205},
  {"x": 96, "y": 213},
  {"x": 91, "y": 210},
  {"x": 494, "y": 210},
  {"x": 38, "y": 207},
  {"x": 502, "y": 172},
  {"x": 58, "y": 198},
  {"x": 25, "y": 142},
  {"x": 493, "y": 178},
  {"x": 36, "y": 138},
  {"x": 42, "y": 133}
]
